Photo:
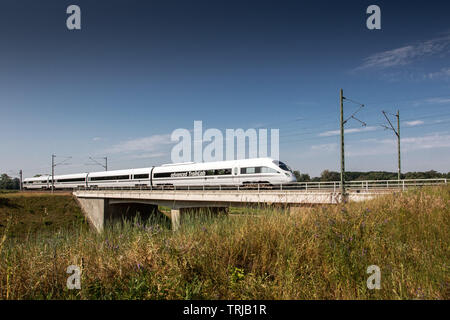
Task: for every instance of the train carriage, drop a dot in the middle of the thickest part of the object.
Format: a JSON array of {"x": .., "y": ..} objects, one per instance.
[
  {"x": 69, "y": 181},
  {"x": 120, "y": 178},
  {"x": 36, "y": 183}
]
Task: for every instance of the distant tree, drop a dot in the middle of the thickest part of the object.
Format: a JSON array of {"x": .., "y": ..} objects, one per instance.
[
  {"x": 16, "y": 183},
  {"x": 431, "y": 174},
  {"x": 6, "y": 182},
  {"x": 305, "y": 177},
  {"x": 327, "y": 175},
  {"x": 37, "y": 175},
  {"x": 301, "y": 177},
  {"x": 371, "y": 175}
]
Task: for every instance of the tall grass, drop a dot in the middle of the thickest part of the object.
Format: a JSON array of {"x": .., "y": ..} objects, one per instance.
[{"x": 311, "y": 253}]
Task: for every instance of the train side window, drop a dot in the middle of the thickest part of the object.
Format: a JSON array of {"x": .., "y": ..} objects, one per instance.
[
  {"x": 268, "y": 170},
  {"x": 249, "y": 170},
  {"x": 71, "y": 180},
  {"x": 162, "y": 175},
  {"x": 124, "y": 177},
  {"x": 141, "y": 176},
  {"x": 221, "y": 172},
  {"x": 252, "y": 170}
]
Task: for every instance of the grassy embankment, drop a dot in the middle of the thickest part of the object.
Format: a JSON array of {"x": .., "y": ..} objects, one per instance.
[
  {"x": 37, "y": 214},
  {"x": 317, "y": 253}
]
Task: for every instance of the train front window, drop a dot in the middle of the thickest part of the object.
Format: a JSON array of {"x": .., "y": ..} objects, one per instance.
[{"x": 282, "y": 166}]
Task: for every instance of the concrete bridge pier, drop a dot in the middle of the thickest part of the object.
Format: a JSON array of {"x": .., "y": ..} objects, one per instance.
[
  {"x": 175, "y": 218},
  {"x": 100, "y": 212},
  {"x": 94, "y": 211}
]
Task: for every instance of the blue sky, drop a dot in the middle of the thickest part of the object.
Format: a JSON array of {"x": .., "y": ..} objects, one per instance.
[{"x": 138, "y": 70}]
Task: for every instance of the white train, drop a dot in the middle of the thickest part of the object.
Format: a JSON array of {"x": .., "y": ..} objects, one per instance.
[{"x": 235, "y": 172}]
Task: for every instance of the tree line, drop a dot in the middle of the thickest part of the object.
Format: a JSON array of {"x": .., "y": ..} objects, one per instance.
[
  {"x": 328, "y": 175},
  {"x": 8, "y": 183}
]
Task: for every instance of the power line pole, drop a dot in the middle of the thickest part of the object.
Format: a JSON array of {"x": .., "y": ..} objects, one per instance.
[
  {"x": 53, "y": 168},
  {"x": 21, "y": 183},
  {"x": 397, "y": 133},
  {"x": 53, "y": 172},
  {"x": 343, "y": 122},
  {"x": 398, "y": 146},
  {"x": 341, "y": 101}
]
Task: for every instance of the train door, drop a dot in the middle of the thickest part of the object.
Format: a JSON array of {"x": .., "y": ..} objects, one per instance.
[
  {"x": 235, "y": 173},
  {"x": 206, "y": 180}
]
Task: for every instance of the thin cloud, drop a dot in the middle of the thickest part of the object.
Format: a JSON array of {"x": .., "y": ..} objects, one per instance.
[
  {"x": 414, "y": 123},
  {"x": 444, "y": 73},
  {"x": 441, "y": 120},
  {"x": 149, "y": 155},
  {"x": 438, "y": 100},
  {"x": 389, "y": 146},
  {"x": 324, "y": 147},
  {"x": 146, "y": 144},
  {"x": 427, "y": 142},
  {"x": 354, "y": 130},
  {"x": 97, "y": 139},
  {"x": 430, "y": 101},
  {"x": 406, "y": 54}
]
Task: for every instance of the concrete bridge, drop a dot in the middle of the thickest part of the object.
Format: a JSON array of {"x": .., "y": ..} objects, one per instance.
[{"x": 103, "y": 205}]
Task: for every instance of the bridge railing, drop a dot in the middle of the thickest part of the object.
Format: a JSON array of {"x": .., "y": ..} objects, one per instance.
[
  {"x": 358, "y": 186},
  {"x": 393, "y": 184}
]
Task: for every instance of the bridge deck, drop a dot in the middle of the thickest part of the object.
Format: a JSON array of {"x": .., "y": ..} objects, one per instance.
[
  {"x": 295, "y": 193},
  {"x": 230, "y": 197}
]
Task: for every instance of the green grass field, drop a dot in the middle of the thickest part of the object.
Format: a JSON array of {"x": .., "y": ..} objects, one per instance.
[{"x": 312, "y": 253}]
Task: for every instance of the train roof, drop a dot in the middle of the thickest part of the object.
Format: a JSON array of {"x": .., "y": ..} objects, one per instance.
[
  {"x": 220, "y": 162},
  {"x": 71, "y": 176},
  {"x": 119, "y": 172},
  {"x": 46, "y": 177}
]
